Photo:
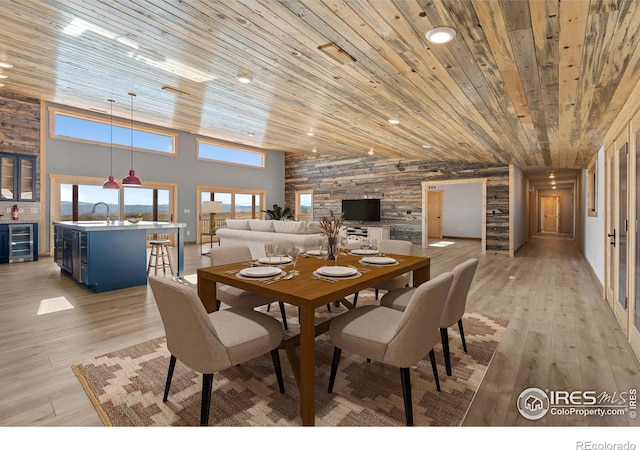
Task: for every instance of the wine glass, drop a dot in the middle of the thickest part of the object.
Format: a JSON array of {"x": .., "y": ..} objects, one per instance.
[
  {"x": 364, "y": 244},
  {"x": 324, "y": 250},
  {"x": 280, "y": 251},
  {"x": 374, "y": 245},
  {"x": 344, "y": 243},
  {"x": 269, "y": 250},
  {"x": 293, "y": 253}
]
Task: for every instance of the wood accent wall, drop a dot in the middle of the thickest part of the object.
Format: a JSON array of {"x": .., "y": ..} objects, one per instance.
[
  {"x": 20, "y": 129},
  {"x": 398, "y": 183}
]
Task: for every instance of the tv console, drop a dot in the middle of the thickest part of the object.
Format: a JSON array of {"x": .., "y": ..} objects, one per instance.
[{"x": 363, "y": 232}]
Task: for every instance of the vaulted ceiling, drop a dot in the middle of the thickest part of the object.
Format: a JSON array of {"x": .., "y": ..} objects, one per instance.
[{"x": 533, "y": 83}]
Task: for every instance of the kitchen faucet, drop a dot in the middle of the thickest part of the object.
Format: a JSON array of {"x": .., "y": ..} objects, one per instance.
[{"x": 102, "y": 203}]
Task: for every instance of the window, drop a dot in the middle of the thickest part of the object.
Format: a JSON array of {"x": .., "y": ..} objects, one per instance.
[
  {"x": 77, "y": 202},
  {"x": 592, "y": 187},
  {"x": 214, "y": 151},
  {"x": 84, "y": 128},
  {"x": 304, "y": 205},
  {"x": 153, "y": 204},
  {"x": 236, "y": 204}
]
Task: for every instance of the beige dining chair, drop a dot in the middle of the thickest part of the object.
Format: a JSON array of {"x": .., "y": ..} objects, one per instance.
[
  {"x": 397, "y": 338},
  {"x": 397, "y": 247},
  {"x": 233, "y": 296},
  {"x": 209, "y": 343},
  {"x": 454, "y": 307}
]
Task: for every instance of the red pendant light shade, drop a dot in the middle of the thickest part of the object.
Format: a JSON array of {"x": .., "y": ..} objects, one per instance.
[
  {"x": 110, "y": 183},
  {"x": 131, "y": 180}
]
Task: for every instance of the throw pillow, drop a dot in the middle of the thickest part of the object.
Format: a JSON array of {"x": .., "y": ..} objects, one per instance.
[
  {"x": 261, "y": 225},
  {"x": 290, "y": 227},
  {"x": 238, "y": 224},
  {"x": 313, "y": 228}
]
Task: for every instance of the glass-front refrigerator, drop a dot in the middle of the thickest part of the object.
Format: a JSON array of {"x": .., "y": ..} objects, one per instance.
[{"x": 20, "y": 242}]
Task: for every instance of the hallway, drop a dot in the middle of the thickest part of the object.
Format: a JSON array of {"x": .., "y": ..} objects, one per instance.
[{"x": 562, "y": 335}]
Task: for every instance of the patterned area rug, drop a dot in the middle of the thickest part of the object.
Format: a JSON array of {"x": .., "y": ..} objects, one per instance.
[{"x": 126, "y": 386}]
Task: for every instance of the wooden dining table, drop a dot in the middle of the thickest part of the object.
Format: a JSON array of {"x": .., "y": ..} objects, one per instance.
[{"x": 308, "y": 293}]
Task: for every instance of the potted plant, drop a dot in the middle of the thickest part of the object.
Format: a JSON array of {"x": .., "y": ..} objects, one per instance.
[{"x": 278, "y": 213}]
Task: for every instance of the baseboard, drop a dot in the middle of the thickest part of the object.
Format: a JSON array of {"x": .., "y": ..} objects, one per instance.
[{"x": 462, "y": 238}]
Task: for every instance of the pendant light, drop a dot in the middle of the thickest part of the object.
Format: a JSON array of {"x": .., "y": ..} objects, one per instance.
[
  {"x": 111, "y": 183},
  {"x": 131, "y": 180}
]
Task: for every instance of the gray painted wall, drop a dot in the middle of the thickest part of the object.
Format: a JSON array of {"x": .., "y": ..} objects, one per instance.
[
  {"x": 462, "y": 210},
  {"x": 592, "y": 229},
  {"x": 77, "y": 158}
]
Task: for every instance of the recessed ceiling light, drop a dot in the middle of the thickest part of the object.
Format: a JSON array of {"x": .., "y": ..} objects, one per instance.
[
  {"x": 1, "y": 84},
  {"x": 310, "y": 133},
  {"x": 250, "y": 133},
  {"x": 426, "y": 145},
  {"x": 440, "y": 35},
  {"x": 5, "y": 65},
  {"x": 314, "y": 150},
  {"x": 394, "y": 121},
  {"x": 3, "y": 76},
  {"x": 245, "y": 79},
  {"x": 370, "y": 152}
]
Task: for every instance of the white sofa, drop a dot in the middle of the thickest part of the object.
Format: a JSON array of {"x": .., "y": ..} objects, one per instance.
[{"x": 254, "y": 233}]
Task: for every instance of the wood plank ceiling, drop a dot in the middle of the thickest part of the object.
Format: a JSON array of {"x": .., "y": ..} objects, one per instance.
[{"x": 533, "y": 83}]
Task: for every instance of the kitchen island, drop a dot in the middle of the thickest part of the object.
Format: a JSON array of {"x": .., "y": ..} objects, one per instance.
[{"x": 109, "y": 255}]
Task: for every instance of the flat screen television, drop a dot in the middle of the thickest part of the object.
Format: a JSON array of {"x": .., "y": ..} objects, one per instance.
[{"x": 363, "y": 210}]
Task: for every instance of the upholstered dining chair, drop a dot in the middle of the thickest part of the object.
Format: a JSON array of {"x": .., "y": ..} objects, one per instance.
[
  {"x": 233, "y": 296},
  {"x": 397, "y": 338},
  {"x": 209, "y": 343},
  {"x": 453, "y": 309},
  {"x": 398, "y": 247}
]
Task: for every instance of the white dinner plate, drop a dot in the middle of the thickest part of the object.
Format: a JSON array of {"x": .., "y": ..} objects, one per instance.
[
  {"x": 275, "y": 260},
  {"x": 364, "y": 251},
  {"x": 260, "y": 272},
  {"x": 313, "y": 252},
  {"x": 380, "y": 260},
  {"x": 337, "y": 271}
]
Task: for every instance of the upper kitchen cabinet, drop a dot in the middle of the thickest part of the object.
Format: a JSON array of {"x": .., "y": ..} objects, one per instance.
[{"x": 17, "y": 177}]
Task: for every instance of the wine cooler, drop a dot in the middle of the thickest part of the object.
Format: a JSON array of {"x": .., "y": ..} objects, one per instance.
[{"x": 21, "y": 243}]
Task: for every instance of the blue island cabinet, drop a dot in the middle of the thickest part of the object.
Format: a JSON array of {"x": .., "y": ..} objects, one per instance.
[
  {"x": 106, "y": 257},
  {"x": 112, "y": 260}
]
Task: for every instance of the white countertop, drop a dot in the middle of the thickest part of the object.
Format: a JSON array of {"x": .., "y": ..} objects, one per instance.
[{"x": 102, "y": 225}]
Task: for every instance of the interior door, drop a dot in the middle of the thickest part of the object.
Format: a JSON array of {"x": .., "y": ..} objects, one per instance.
[
  {"x": 434, "y": 201},
  {"x": 620, "y": 306},
  {"x": 634, "y": 242},
  {"x": 550, "y": 214},
  {"x": 611, "y": 261}
]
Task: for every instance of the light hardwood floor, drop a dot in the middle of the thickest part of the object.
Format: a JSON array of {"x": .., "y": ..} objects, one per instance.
[{"x": 561, "y": 334}]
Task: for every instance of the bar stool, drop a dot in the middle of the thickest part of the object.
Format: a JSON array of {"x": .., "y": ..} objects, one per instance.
[{"x": 160, "y": 256}]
